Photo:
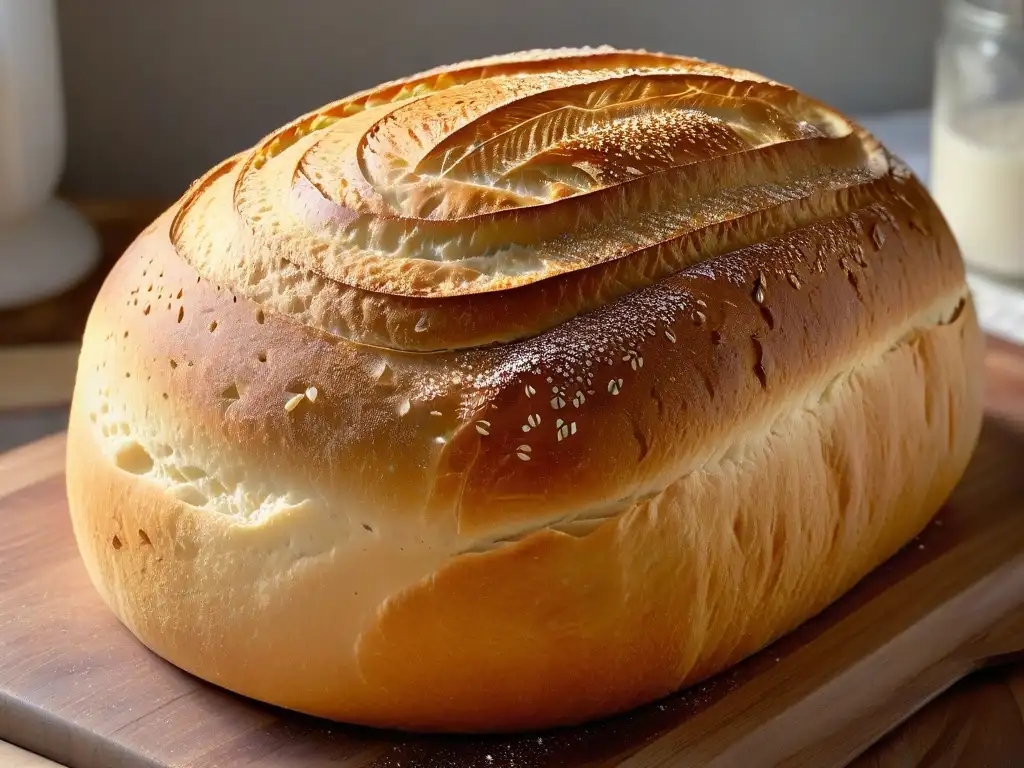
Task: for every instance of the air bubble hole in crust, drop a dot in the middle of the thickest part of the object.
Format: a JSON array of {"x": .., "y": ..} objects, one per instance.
[
  {"x": 116, "y": 543},
  {"x": 133, "y": 458},
  {"x": 144, "y": 538},
  {"x": 193, "y": 473}
]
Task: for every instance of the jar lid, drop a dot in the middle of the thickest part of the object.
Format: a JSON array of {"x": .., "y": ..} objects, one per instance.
[{"x": 990, "y": 15}]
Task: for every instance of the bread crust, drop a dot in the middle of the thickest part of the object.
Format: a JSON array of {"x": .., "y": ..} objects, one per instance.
[{"x": 340, "y": 475}]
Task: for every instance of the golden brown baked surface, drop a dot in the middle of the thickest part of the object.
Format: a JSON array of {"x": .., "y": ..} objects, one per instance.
[{"x": 520, "y": 392}]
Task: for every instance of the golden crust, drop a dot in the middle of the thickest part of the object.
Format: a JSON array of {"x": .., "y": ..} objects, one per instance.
[
  {"x": 363, "y": 386},
  {"x": 571, "y": 180}
]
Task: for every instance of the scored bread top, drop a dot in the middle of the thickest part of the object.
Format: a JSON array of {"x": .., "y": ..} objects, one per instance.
[
  {"x": 523, "y": 290},
  {"x": 410, "y": 216}
]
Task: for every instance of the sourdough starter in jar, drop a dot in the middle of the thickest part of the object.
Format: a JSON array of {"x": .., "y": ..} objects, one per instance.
[
  {"x": 978, "y": 181},
  {"x": 978, "y": 133}
]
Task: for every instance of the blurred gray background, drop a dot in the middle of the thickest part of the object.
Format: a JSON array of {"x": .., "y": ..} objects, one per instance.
[{"x": 159, "y": 91}]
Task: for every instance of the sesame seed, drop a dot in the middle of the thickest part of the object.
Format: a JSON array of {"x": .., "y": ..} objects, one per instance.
[
  {"x": 523, "y": 456},
  {"x": 702, "y": 303},
  {"x": 481, "y": 427},
  {"x": 759, "y": 288},
  {"x": 615, "y": 386},
  {"x": 557, "y": 402},
  {"x": 526, "y": 427},
  {"x": 794, "y": 280},
  {"x": 572, "y": 428},
  {"x": 312, "y": 393},
  {"x": 534, "y": 420},
  {"x": 530, "y": 391},
  {"x": 559, "y": 423},
  {"x": 670, "y": 336},
  {"x": 699, "y": 318},
  {"x": 525, "y": 449},
  {"x": 436, "y": 413},
  {"x": 294, "y": 402}
]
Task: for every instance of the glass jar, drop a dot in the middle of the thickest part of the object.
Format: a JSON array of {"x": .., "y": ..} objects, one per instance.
[{"x": 978, "y": 133}]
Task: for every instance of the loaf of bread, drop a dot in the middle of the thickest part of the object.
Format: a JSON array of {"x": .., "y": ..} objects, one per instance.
[{"x": 520, "y": 392}]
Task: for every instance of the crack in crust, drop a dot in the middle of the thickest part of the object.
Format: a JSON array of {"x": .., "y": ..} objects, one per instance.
[{"x": 407, "y": 216}]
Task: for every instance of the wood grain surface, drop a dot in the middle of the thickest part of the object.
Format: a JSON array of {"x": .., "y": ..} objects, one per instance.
[
  {"x": 977, "y": 724},
  {"x": 77, "y": 688}
]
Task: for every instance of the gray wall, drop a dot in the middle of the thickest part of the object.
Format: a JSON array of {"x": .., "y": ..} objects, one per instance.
[{"x": 159, "y": 90}]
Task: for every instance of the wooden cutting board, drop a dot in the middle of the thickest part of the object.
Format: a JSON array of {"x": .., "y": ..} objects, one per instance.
[{"x": 76, "y": 687}]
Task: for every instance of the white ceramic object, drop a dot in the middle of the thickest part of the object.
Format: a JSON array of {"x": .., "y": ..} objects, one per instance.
[{"x": 45, "y": 246}]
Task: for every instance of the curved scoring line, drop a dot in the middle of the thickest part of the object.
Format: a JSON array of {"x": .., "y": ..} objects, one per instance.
[
  {"x": 449, "y": 76},
  {"x": 730, "y": 234},
  {"x": 551, "y": 216},
  {"x": 498, "y": 217},
  {"x": 196, "y": 190},
  {"x": 779, "y": 150},
  {"x": 537, "y": 61},
  {"x": 705, "y": 89},
  {"x": 726, "y": 118},
  {"x": 697, "y": 86},
  {"x": 404, "y": 311},
  {"x": 623, "y": 110}
]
